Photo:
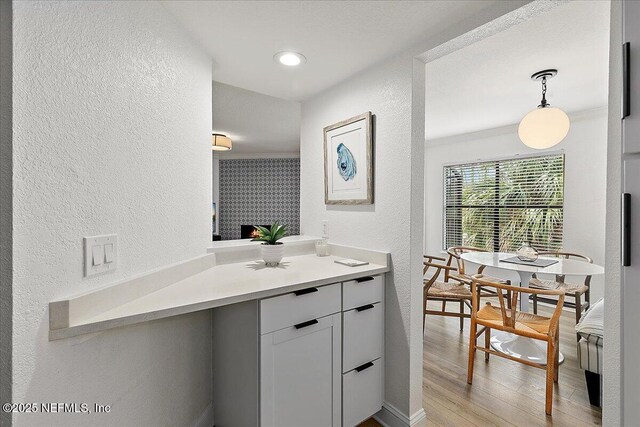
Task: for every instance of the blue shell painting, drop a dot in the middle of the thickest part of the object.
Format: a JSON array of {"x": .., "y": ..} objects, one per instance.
[{"x": 346, "y": 163}]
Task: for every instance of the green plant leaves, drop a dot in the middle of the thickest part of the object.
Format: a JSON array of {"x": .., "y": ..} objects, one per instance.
[{"x": 270, "y": 235}]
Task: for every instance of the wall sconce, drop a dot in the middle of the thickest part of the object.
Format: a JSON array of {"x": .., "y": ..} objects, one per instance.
[{"x": 220, "y": 142}]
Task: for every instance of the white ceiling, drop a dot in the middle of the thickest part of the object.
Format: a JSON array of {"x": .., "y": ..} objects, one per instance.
[
  {"x": 256, "y": 123},
  {"x": 339, "y": 38},
  {"x": 488, "y": 85}
]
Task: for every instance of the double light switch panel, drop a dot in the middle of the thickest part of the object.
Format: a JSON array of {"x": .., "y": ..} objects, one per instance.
[{"x": 100, "y": 254}]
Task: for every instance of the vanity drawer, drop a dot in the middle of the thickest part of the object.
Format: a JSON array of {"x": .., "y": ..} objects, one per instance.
[
  {"x": 362, "y": 335},
  {"x": 365, "y": 290},
  {"x": 298, "y": 307},
  {"x": 361, "y": 393}
]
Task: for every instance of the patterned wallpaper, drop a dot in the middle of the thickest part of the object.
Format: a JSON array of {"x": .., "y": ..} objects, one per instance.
[{"x": 259, "y": 191}]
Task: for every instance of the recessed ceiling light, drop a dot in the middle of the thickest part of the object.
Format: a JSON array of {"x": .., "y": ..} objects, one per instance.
[{"x": 290, "y": 59}]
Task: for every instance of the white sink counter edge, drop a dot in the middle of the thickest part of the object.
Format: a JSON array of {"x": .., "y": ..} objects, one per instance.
[{"x": 203, "y": 283}]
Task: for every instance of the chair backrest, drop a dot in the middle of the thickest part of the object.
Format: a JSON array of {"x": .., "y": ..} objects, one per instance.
[
  {"x": 509, "y": 315},
  {"x": 430, "y": 261},
  {"x": 568, "y": 255},
  {"x": 454, "y": 254}
]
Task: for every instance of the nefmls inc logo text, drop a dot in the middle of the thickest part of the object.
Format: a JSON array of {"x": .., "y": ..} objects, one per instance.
[{"x": 64, "y": 407}]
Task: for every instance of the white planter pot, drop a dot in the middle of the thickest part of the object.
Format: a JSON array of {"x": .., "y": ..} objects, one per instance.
[{"x": 272, "y": 254}]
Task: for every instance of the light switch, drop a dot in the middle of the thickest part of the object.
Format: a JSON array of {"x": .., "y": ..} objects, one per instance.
[
  {"x": 97, "y": 255},
  {"x": 108, "y": 253},
  {"x": 100, "y": 254}
]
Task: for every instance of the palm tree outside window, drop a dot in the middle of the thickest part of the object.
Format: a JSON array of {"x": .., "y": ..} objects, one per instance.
[{"x": 499, "y": 204}]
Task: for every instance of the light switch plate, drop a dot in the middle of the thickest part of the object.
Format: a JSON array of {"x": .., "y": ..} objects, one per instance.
[{"x": 100, "y": 254}]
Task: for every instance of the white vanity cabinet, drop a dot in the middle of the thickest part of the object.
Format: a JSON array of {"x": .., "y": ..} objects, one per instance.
[
  {"x": 307, "y": 358},
  {"x": 362, "y": 348},
  {"x": 300, "y": 343},
  {"x": 300, "y": 375}
]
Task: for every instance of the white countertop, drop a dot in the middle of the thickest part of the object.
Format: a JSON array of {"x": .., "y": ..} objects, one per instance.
[{"x": 212, "y": 287}]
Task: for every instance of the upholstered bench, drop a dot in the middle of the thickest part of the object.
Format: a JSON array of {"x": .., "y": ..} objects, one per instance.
[{"x": 590, "y": 329}]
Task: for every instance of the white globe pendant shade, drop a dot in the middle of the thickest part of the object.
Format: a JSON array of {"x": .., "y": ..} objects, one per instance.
[{"x": 544, "y": 127}]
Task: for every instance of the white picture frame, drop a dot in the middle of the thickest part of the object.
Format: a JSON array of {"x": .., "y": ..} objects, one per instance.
[{"x": 348, "y": 162}]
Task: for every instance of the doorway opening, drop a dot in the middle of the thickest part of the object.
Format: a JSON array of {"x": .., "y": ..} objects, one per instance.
[{"x": 486, "y": 190}]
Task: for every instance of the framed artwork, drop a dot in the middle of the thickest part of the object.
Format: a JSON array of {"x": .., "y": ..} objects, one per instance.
[{"x": 348, "y": 162}]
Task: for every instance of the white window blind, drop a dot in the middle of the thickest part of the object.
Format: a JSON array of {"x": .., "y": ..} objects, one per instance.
[{"x": 497, "y": 205}]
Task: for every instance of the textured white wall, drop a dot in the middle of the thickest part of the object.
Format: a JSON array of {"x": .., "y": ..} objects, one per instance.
[
  {"x": 585, "y": 151},
  {"x": 613, "y": 395},
  {"x": 112, "y": 123},
  {"x": 385, "y": 225},
  {"x": 394, "y": 92}
]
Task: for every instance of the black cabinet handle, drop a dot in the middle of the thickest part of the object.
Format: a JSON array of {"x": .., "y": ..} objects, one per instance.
[
  {"x": 305, "y": 291},
  {"x": 364, "y": 307},
  {"x": 626, "y": 80},
  {"x": 305, "y": 324},
  {"x": 364, "y": 279},
  {"x": 363, "y": 367},
  {"x": 626, "y": 229}
]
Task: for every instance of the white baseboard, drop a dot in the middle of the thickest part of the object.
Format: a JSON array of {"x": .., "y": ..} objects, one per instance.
[
  {"x": 390, "y": 416},
  {"x": 206, "y": 418}
]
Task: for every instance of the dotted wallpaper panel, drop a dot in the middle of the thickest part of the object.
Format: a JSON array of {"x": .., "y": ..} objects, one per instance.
[{"x": 259, "y": 191}]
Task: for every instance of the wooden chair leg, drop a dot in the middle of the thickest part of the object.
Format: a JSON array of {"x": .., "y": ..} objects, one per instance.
[
  {"x": 461, "y": 315},
  {"x": 444, "y": 306},
  {"x": 557, "y": 356},
  {"x": 551, "y": 361},
  {"x": 424, "y": 313},
  {"x": 487, "y": 342},
  {"x": 578, "y": 308},
  {"x": 472, "y": 349},
  {"x": 578, "y": 313},
  {"x": 535, "y": 304}
]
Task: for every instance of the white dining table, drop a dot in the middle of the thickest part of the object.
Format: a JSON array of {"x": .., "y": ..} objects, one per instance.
[{"x": 514, "y": 345}]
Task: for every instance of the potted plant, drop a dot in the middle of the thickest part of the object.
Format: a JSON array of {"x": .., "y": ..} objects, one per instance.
[{"x": 272, "y": 250}]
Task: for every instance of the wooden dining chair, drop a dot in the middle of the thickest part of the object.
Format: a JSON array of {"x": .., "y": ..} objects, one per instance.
[
  {"x": 461, "y": 274},
  {"x": 516, "y": 322},
  {"x": 573, "y": 290},
  {"x": 450, "y": 290}
]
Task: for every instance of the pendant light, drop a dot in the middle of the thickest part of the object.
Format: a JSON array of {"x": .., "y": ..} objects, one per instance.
[
  {"x": 220, "y": 142},
  {"x": 545, "y": 126}
]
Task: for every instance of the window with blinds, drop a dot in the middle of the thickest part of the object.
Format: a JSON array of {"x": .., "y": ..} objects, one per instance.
[{"x": 497, "y": 205}]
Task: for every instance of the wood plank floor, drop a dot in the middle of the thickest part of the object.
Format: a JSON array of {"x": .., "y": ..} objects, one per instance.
[{"x": 504, "y": 393}]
